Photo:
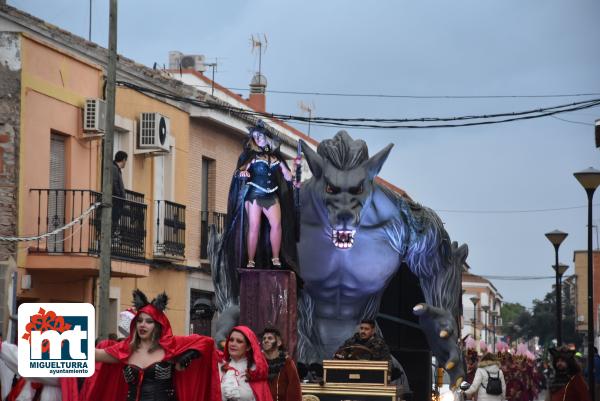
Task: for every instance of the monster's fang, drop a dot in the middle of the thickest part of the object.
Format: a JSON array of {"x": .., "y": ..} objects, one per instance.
[{"x": 343, "y": 239}]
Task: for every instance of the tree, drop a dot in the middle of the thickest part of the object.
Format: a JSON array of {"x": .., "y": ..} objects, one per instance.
[
  {"x": 515, "y": 320},
  {"x": 541, "y": 322}
]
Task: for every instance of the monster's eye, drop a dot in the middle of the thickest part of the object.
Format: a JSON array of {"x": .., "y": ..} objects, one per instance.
[
  {"x": 356, "y": 190},
  {"x": 331, "y": 189}
]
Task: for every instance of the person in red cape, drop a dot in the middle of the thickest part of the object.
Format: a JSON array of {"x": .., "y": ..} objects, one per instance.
[
  {"x": 36, "y": 389},
  {"x": 154, "y": 365},
  {"x": 243, "y": 368}
]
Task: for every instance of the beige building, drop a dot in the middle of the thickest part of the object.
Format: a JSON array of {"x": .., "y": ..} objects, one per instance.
[
  {"x": 480, "y": 319},
  {"x": 581, "y": 277}
]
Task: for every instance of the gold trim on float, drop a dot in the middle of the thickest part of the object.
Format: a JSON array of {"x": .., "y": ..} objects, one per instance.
[
  {"x": 344, "y": 389},
  {"x": 354, "y": 365}
]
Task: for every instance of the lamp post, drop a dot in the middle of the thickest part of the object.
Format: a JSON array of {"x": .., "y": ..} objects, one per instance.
[
  {"x": 475, "y": 300},
  {"x": 556, "y": 237},
  {"x": 486, "y": 309},
  {"x": 559, "y": 270},
  {"x": 590, "y": 179},
  {"x": 494, "y": 314}
]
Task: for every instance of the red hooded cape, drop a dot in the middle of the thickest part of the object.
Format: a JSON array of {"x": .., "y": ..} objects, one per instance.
[
  {"x": 257, "y": 377},
  {"x": 199, "y": 382}
]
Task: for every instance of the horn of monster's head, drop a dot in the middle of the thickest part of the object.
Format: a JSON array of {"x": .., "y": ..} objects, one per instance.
[{"x": 344, "y": 176}]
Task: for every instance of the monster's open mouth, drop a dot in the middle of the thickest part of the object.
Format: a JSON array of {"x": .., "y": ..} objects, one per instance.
[{"x": 343, "y": 239}]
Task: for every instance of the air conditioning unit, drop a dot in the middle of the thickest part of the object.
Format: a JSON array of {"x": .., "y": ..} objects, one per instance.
[
  {"x": 94, "y": 117},
  {"x": 193, "y": 61},
  {"x": 154, "y": 132}
]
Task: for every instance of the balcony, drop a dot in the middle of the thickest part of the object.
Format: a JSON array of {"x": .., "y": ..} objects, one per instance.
[
  {"x": 170, "y": 230},
  {"x": 58, "y": 207},
  {"x": 206, "y": 220}
]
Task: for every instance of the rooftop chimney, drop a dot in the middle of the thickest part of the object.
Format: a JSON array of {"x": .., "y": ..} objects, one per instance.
[{"x": 258, "y": 87}]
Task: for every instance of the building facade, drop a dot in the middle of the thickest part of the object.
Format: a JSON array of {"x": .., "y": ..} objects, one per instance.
[
  {"x": 481, "y": 303},
  {"x": 580, "y": 261}
]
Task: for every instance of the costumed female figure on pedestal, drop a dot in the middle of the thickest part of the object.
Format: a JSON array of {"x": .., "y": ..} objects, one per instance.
[
  {"x": 154, "y": 365},
  {"x": 263, "y": 204},
  {"x": 243, "y": 368}
]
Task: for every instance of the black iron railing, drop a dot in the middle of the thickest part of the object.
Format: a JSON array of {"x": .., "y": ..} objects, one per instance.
[
  {"x": 129, "y": 228},
  {"x": 170, "y": 229},
  {"x": 55, "y": 209},
  {"x": 58, "y": 207},
  {"x": 208, "y": 218}
]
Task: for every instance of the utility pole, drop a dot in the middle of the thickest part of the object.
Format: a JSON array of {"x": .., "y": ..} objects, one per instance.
[{"x": 106, "y": 222}]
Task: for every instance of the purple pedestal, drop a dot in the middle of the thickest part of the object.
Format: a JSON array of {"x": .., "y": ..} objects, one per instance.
[{"x": 268, "y": 298}]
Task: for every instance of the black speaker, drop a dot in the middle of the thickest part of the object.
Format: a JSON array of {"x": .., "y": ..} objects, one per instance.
[{"x": 597, "y": 133}]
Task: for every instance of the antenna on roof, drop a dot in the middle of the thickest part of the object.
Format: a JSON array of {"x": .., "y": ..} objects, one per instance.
[
  {"x": 213, "y": 67},
  {"x": 307, "y": 108},
  {"x": 90, "y": 30},
  {"x": 261, "y": 45}
]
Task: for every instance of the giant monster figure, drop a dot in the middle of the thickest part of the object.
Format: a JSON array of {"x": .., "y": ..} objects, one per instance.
[{"x": 354, "y": 236}]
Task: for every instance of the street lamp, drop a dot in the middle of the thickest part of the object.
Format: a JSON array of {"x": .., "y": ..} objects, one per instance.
[
  {"x": 556, "y": 238},
  {"x": 559, "y": 270},
  {"x": 474, "y": 299},
  {"x": 486, "y": 309},
  {"x": 494, "y": 314},
  {"x": 590, "y": 179}
]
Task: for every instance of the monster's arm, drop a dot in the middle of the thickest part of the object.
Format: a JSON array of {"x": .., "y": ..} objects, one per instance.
[{"x": 425, "y": 245}]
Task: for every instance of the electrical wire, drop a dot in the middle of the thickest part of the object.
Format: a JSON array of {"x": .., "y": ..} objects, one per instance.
[
  {"x": 512, "y": 211},
  {"x": 573, "y": 122},
  {"x": 519, "y": 278},
  {"x": 383, "y": 123},
  {"x": 388, "y": 96}
]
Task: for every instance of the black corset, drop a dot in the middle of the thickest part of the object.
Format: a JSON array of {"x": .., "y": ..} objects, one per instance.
[
  {"x": 156, "y": 382},
  {"x": 263, "y": 175}
]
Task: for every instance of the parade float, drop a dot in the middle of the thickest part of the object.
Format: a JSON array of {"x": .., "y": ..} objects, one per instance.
[{"x": 350, "y": 249}]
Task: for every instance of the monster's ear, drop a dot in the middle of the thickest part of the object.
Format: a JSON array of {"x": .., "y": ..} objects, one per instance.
[
  {"x": 315, "y": 161},
  {"x": 375, "y": 163}
]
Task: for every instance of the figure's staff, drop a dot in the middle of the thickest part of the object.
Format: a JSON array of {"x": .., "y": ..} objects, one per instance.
[
  {"x": 298, "y": 179},
  {"x": 241, "y": 214}
]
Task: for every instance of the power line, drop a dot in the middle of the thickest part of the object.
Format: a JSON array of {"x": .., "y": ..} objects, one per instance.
[
  {"x": 573, "y": 122},
  {"x": 388, "y": 96},
  {"x": 515, "y": 278},
  {"x": 381, "y": 122},
  {"x": 511, "y": 211}
]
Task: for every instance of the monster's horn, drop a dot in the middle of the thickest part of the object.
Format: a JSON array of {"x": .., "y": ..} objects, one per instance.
[
  {"x": 315, "y": 161},
  {"x": 375, "y": 163}
]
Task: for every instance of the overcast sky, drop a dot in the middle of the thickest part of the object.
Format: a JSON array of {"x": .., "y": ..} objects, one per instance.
[{"x": 396, "y": 47}]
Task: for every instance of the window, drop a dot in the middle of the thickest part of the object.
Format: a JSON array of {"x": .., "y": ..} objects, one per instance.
[
  {"x": 207, "y": 187},
  {"x": 202, "y": 311},
  {"x": 56, "y": 195}
]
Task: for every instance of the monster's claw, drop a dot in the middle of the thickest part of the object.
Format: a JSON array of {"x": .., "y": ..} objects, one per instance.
[
  {"x": 449, "y": 365},
  {"x": 458, "y": 382},
  {"x": 419, "y": 309},
  {"x": 444, "y": 334}
]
